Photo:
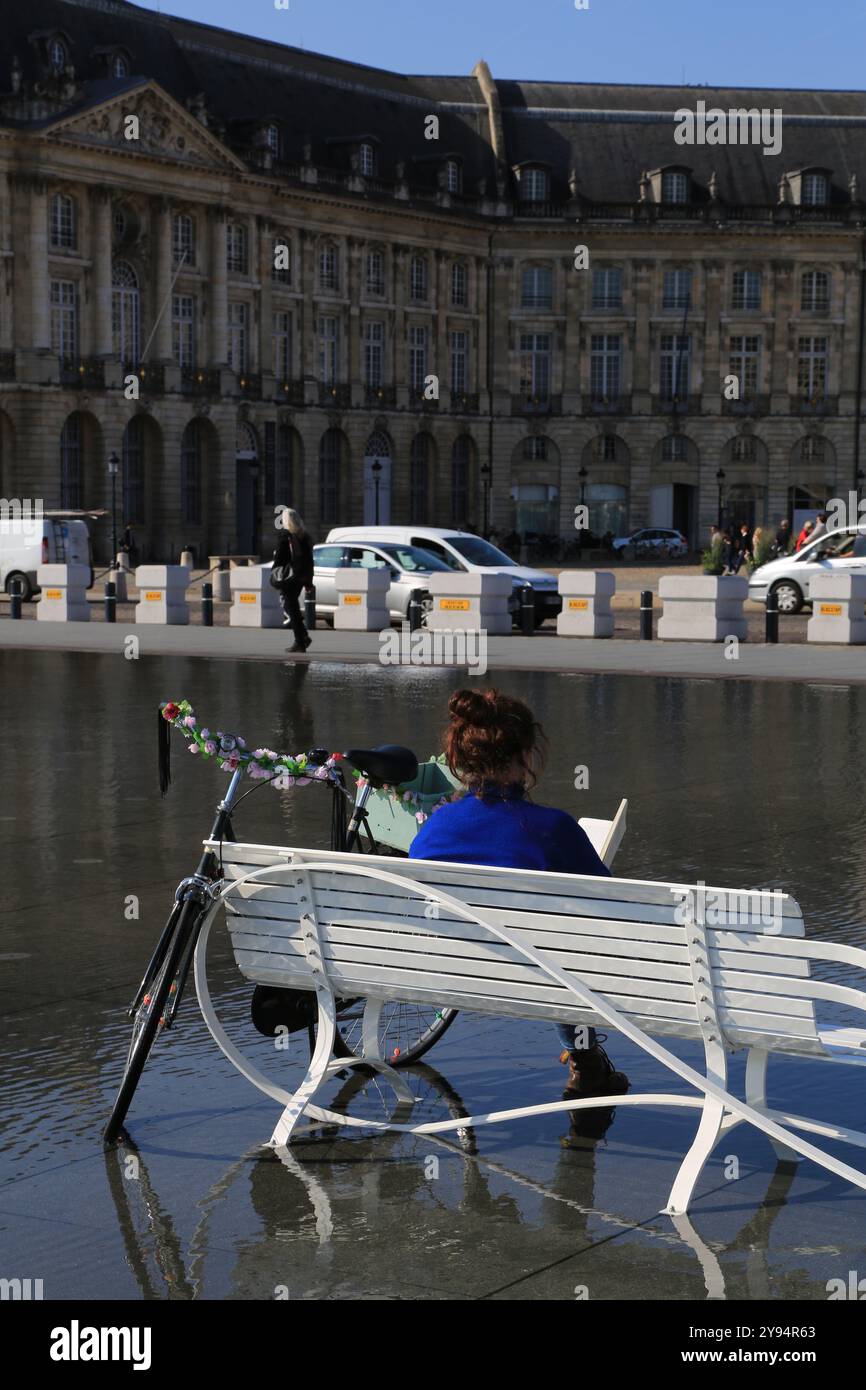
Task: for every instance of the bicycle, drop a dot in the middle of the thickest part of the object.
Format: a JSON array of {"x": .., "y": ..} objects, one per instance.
[{"x": 409, "y": 1030}]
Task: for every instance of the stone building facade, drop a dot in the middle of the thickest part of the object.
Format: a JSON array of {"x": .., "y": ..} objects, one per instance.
[{"x": 259, "y": 276}]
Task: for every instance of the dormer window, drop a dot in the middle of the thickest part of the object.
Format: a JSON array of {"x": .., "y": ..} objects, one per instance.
[
  {"x": 676, "y": 187},
  {"x": 453, "y": 176},
  {"x": 272, "y": 139},
  {"x": 57, "y": 54},
  {"x": 534, "y": 185},
  {"x": 367, "y": 159},
  {"x": 120, "y": 65},
  {"x": 814, "y": 190}
]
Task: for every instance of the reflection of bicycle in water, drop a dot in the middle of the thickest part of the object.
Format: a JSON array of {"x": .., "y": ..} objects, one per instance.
[{"x": 406, "y": 1030}]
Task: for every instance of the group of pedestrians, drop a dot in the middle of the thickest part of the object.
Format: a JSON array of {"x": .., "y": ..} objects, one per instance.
[{"x": 738, "y": 546}]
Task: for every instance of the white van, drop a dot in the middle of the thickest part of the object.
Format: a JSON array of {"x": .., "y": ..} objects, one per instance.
[
  {"x": 55, "y": 538},
  {"x": 461, "y": 550}
]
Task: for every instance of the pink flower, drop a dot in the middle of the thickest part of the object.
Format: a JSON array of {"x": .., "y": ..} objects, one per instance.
[
  {"x": 210, "y": 746},
  {"x": 190, "y": 721},
  {"x": 193, "y": 748}
]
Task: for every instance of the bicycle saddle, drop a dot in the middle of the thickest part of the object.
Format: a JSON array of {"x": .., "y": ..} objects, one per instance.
[{"x": 387, "y": 763}]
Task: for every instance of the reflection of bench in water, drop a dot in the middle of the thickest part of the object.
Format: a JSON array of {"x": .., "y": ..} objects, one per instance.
[{"x": 519, "y": 943}]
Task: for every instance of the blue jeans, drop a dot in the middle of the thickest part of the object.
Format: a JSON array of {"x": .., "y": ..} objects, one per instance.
[{"x": 566, "y": 1034}]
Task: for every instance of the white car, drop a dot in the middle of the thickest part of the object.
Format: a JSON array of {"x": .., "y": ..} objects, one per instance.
[
  {"x": 651, "y": 543},
  {"x": 461, "y": 550},
  {"x": 840, "y": 551},
  {"x": 410, "y": 569}
]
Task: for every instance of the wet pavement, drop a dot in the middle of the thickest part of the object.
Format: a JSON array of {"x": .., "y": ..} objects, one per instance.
[{"x": 746, "y": 783}]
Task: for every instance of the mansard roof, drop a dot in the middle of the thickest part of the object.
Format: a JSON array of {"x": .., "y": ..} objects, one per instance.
[{"x": 607, "y": 134}]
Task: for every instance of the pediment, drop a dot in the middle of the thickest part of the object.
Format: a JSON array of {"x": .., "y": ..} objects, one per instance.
[{"x": 164, "y": 129}]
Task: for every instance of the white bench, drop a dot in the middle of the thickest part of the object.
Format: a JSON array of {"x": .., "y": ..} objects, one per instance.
[{"x": 544, "y": 946}]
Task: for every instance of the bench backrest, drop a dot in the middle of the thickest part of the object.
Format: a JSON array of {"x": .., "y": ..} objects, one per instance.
[{"x": 623, "y": 938}]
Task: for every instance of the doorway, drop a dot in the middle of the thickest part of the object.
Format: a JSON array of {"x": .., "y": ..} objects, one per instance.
[
  {"x": 377, "y": 480},
  {"x": 246, "y": 491}
]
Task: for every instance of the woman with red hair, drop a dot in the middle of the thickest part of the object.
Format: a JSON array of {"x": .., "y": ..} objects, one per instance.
[{"x": 495, "y": 746}]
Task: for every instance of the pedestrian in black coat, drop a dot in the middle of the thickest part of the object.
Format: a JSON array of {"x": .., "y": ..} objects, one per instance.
[{"x": 294, "y": 553}]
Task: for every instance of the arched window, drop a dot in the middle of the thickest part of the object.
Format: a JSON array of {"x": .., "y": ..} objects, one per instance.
[
  {"x": 120, "y": 65},
  {"x": 71, "y": 492},
  {"x": 462, "y": 453},
  {"x": 191, "y": 454},
  {"x": 330, "y": 462},
  {"x": 419, "y": 479},
  {"x": 676, "y": 187},
  {"x": 459, "y": 285},
  {"x": 57, "y": 54},
  {"x": 64, "y": 223},
  {"x": 132, "y": 477},
  {"x": 125, "y": 313},
  {"x": 272, "y": 139}
]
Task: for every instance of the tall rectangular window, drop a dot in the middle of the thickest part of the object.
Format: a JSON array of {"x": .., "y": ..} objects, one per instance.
[
  {"x": 418, "y": 278},
  {"x": 812, "y": 368},
  {"x": 417, "y": 357},
  {"x": 607, "y": 289},
  {"x": 329, "y": 277},
  {"x": 746, "y": 290},
  {"x": 64, "y": 234},
  {"x": 535, "y": 365},
  {"x": 605, "y": 366},
  {"x": 815, "y": 292},
  {"x": 745, "y": 364},
  {"x": 236, "y": 248},
  {"x": 282, "y": 345},
  {"x": 536, "y": 287},
  {"x": 281, "y": 264},
  {"x": 675, "y": 366},
  {"x": 183, "y": 329},
  {"x": 237, "y": 344},
  {"x": 374, "y": 278},
  {"x": 675, "y": 188},
  {"x": 183, "y": 239},
  {"x": 329, "y": 343},
  {"x": 64, "y": 319},
  {"x": 814, "y": 190},
  {"x": 374, "y": 350},
  {"x": 677, "y": 290},
  {"x": 459, "y": 285},
  {"x": 459, "y": 362}
]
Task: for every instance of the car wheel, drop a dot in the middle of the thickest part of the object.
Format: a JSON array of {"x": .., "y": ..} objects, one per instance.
[
  {"x": 26, "y": 586},
  {"x": 789, "y": 596}
]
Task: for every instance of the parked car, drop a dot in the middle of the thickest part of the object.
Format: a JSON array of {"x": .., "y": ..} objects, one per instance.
[
  {"x": 55, "y": 538},
  {"x": 410, "y": 569},
  {"x": 461, "y": 550},
  {"x": 840, "y": 551},
  {"x": 651, "y": 543}
]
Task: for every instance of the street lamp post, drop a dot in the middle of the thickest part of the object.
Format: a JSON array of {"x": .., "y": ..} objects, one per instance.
[
  {"x": 486, "y": 472},
  {"x": 113, "y": 470},
  {"x": 377, "y": 469},
  {"x": 720, "y": 479}
]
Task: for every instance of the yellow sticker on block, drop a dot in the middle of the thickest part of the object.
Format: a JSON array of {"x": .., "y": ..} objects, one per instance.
[
  {"x": 54, "y": 593},
  {"x": 830, "y": 610},
  {"x": 154, "y": 595},
  {"x": 351, "y": 598},
  {"x": 248, "y": 598},
  {"x": 455, "y": 605},
  {"x": 581, "y": 605}
]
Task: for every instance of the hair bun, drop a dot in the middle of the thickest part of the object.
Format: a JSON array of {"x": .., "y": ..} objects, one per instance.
[{"x": 473, "y": 707}]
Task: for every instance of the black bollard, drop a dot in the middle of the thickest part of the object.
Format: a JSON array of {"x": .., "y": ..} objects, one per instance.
[
  {"x": 527, "y": 609},
  {"x": 16, "y": 590},
  {"x": 646, "y": 615},
  {"x": 310, "y": 607},
  {"x": 771, "y": 633},
  {"x": 110, "y": 601},
  {"x": 207, "y": 604},
  {"x": 415, "y": 612}
]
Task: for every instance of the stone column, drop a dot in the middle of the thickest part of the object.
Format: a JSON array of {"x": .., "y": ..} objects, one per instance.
[
  {"x": 160, "y": 348},
  {"x": 478, "y": 369},
  {"x": 308, "y": 327},
  {"x": 399, "y": 360},
  {"x": 355, "y": 249},
  {"x": 575, "y": 341},
  {"x": 783, "y": 345},
  {"x": 441, "y": 356},
  {"x": 218, "y": 310},
  {"x": 102, "y": 342},
  {"x": 267, "y": 240},
  {"x": 715, "y": 355},
  {"x": 641, "y": 366},
  {"x": 40, "y": 314}
]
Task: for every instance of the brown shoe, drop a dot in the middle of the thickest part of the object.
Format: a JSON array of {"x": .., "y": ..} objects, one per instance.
[{"x": 592, "y": 1073}]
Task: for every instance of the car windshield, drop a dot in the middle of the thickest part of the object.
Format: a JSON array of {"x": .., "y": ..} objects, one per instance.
[
  {"x": 480, "y": 552},
  {"x": 412, "y": 557},
  {"x": 833, "y": 546}
]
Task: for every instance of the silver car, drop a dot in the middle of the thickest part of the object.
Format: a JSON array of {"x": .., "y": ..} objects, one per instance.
[
  {"x": 840, "y": 551},
  {"x": 409, "y": 565}
]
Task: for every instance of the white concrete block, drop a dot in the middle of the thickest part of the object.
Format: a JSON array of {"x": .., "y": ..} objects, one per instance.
[
  {"x": 362, "y": 599},
  {"x": 162, "y": 594},
  {"x": 470, "y": 603},
  {"x": 838, "y": 609},
  {"x": 586, "y": 596},
  {"x": 702, "y": 608},
  {"x": 255, "y": 602},
  {"x": 64, "y": 594}
]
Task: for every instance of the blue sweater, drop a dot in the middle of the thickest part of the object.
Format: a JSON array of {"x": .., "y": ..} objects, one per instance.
[{"x": 507, "y": 831}]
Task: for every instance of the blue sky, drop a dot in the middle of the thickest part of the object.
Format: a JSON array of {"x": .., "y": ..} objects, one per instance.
[{"x": 767, "y": 43}]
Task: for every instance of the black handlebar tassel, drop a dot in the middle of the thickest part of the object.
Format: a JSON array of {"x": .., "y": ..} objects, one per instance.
[{"x": 164, "y": 753}]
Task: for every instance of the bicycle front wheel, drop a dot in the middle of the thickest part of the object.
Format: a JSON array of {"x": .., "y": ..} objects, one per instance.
[
  {"x": 406, "y": 1031},
  {"x": 149, "y": 1016}
]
